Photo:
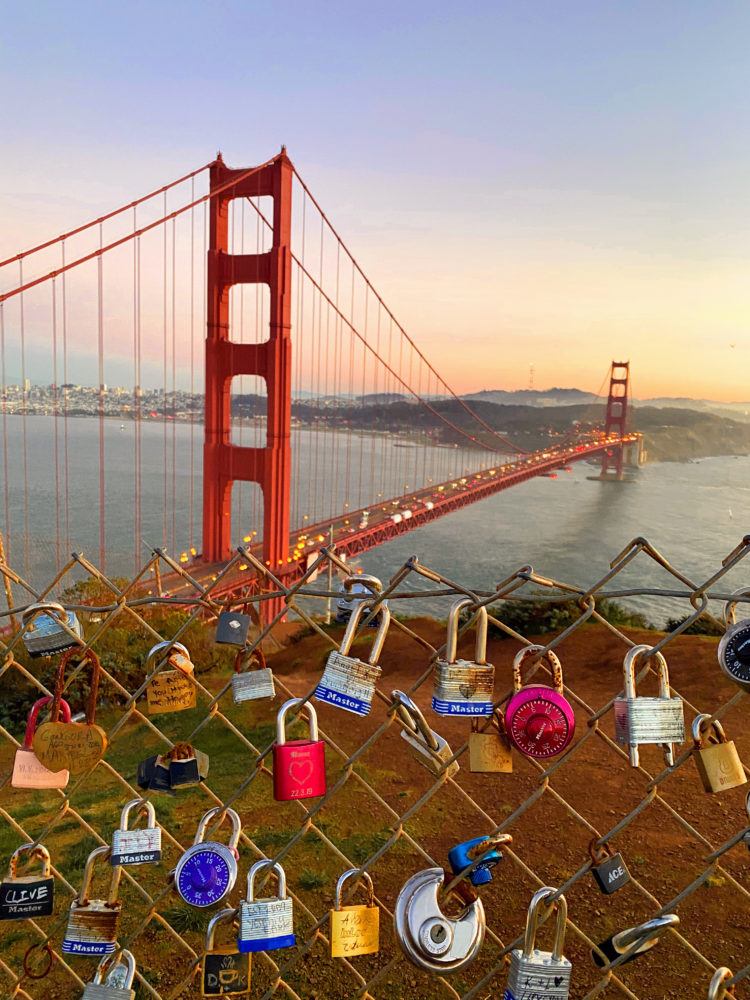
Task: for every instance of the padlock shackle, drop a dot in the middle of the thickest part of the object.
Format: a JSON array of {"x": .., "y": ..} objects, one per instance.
[
  {"x": 259, "y": 866},
  {"x": 85, "y": 656},
  {"x": 206, "y": 818},
  {"x": 718, "y": 990},
  {"x": 34, "y": 851},
  {"x": 351, "y": 873},
  {"x": 599, "y": 852},
  {"x": 645, "y": 935},
  {"x": 280, "y": 718},
  {"x": 480, "y": 642},
  {"x": 552, "y": 660},
  {"x": 117, "y": 959},
  {"x": 384, "y": 620},
  {"x": 244, "y": 655},
  {"x": 372, "y": 583},
  {"x": 731, "y": 605},
  {"x": 629, "y": 667},
  {"x": 560, "y": 904},
  {"x": 141, "y": 805},
  {"x": 51, "y": 608},
  {"x": 411, "y": 718},
  {"x": 176, "y": 647},
  {"x": 216, "y": 919},
  {"x": 32, "y": 721},
  {"x": 701, "y": 725},
  {"x": 489, "y": 843},
  {"x": 102, "y": 853}
]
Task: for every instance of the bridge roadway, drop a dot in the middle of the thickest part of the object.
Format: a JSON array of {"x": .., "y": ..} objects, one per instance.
[{"x": 355, "y": 532}]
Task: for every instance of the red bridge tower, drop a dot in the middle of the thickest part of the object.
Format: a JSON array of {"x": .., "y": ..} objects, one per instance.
[
  {"x": 616, "y": 420},
  {"x": 224, "y": 462}
]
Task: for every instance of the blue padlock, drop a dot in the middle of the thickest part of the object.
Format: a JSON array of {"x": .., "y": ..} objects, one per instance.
[{"x": 462, "y": 855}]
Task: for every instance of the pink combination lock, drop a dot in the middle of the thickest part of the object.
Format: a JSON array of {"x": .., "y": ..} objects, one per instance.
[
  {"x": 539, "y": 719},
  {"x": 28, "y": 771}
]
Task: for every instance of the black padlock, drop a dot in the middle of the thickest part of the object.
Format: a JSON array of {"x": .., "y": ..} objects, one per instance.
[
  {"x": 145, "y": 772},
  {"x": 609, "y": 870},
  {"x": 232, "y": 628},
  {"x": 183, "y": 766},
  {"x": 23, "y": 896},
  {"x": 161, "y": 777}
]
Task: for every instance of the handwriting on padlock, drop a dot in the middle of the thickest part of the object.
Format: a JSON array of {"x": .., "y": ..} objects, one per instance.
[
  {"x": 75, "y": 747},
  {"x": 355, "y": 930},
  {"x": 170, "y": 691}
]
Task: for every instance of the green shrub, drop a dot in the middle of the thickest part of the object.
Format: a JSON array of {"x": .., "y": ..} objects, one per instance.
[
  {"x": 531, "y": 616},
  {"x": 701, "y": 626}
]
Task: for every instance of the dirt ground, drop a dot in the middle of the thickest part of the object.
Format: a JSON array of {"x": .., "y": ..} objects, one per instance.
[{"x": 662, "y": 852}]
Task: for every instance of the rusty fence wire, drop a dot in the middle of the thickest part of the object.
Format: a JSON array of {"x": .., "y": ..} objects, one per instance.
[{"x": 553, "y": 802}]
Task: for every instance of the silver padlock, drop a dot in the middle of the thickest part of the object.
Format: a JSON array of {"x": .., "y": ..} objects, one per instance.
[
  {"x": 536, "y": 973},
  {"x": 347, "y": 681},
  {"x": 113, "y": 979},
  {"x": 92, "y": 923},
  {"x": 648, "y": 720},
  {"x": 464, "y": 687},
  {"x": 636, "y": 940},
  {"x": 268, "y": 923},
  {"x": 248, "y": 685},
  {"x": 429, "y": 938},
  {"x": 428, "y": 747},
  {"x": 44, "y": 632},
  {"x": 137, "y": 847}
]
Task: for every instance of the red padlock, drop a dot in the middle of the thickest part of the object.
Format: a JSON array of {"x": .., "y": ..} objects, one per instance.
[
  {"x": 299, "y": 767},
  {"x": 28, "y": 771}
]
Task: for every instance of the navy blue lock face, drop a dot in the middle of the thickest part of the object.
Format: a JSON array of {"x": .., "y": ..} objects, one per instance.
[{"x": 459, "y": 858}]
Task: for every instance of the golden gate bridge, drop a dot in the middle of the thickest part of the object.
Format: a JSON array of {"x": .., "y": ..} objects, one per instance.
[{"x": 221, "y": 277}]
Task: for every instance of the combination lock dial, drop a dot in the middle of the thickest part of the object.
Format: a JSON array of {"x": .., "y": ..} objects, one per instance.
[{"x": 734, "y": 653}]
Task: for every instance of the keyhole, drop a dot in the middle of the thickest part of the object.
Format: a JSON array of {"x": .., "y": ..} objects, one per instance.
[{"x": 437, "y": 934}]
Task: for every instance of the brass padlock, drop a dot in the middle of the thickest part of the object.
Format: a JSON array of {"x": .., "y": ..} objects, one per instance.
[
  {"x": 24, "y": 896},
  {"x": 170, "y": 690},
  {"x": 489, "y": 747},
  {"x": 226, "y": 971},
  {"x": 92, "y": 923},
  {"x": 716, "y": 757},
  {"x": 355, "y": 929}
]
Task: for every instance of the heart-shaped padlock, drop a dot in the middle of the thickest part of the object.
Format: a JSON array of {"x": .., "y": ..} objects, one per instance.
[{"x": 72, "y": 746}]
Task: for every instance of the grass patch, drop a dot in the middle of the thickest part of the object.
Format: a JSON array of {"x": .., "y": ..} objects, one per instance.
[
  {"x": 361, "y": 846},
  {"x": 77, "y": 854},
  {"x": 187, "y": 918},
  {"x": 311, "y": 880}
]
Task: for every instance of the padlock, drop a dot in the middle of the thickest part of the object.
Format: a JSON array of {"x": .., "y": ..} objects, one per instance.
[
  {"x": 23, "y": 896},
  {"x": 347, "y": 681},
  {"x": 734, "y": 645},
  {"x": 28, "y": 771},
  {"x": 266, "y": 924},
  {"x": 716, "y": 757},
  {"x": 170, "y": 690},
  {"x": 226, "y": 971},
  {"x": 137, "y": 847},
  {"x": 92, "y": 923},
  {"x": 464, "y": 687},
  {"x": 299, "y": 767},
  {"x": 183, "y": 766},
  {"x": 44, "y": 632},
  {"x": 428, "y": 748},
  {"x": 485, "y": 849},
  {"x": 155, "y": 771},
  {"x": 113, "y": 979},
  {"x": 536, "y": 973},
  {"x": 539, "y": 720},
  {"x": 358, "y": 587},
  {"x": 648, "y": 720},
  {"x": 72, "y": 746},
  {"x": 247, "y": 685},
  {"x": 644, "y": 937},
  {"x": 718, "y": 988},
  {"x": 207, "y": 871},
  {"x": 232, "y": 628},
  {"x": 489, "y": 747},
  {"x": 608, "y": 868},
  {"x": 355, "y": 929},
  {"x": 427, "y": 936}
]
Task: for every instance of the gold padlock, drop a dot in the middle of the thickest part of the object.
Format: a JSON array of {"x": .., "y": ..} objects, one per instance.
[
  {"x": 716, "y": 757},
  {"x": 355, "y": 929},
  {"x": 170, "y": 690},
  {"x": 489, "y": 746}
]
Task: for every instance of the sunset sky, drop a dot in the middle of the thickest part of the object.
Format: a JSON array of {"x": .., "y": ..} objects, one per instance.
[{"x": 551, "y": 184}]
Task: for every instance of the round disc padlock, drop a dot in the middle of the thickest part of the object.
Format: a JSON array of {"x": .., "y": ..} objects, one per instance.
[{"x": 428, "y": 937}]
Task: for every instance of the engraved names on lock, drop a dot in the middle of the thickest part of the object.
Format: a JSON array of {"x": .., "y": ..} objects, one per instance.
[
  {"x": 266, "y": 924},
  {"x": 136, "y": 847},
  {"x": 348, "y": 683}
]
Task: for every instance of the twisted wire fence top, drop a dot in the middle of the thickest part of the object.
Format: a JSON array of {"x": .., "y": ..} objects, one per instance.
[{"x": 383, "y": 813}]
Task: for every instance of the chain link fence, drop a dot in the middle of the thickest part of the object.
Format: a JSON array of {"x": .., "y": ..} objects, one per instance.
[{"x": 382, "y": 813}]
